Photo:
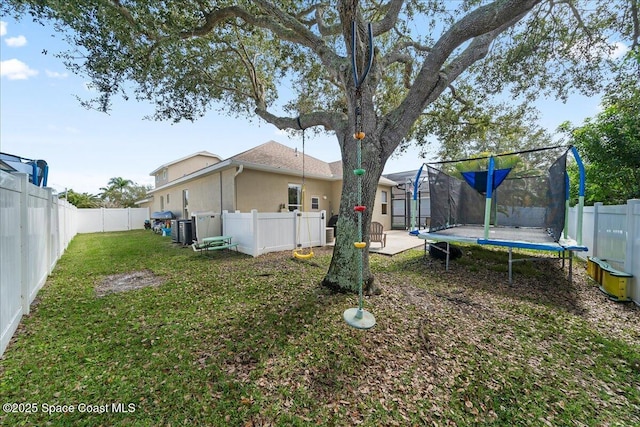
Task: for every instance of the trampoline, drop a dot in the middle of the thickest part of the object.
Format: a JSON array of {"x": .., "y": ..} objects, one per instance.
[{"x": 512, "y": 200}]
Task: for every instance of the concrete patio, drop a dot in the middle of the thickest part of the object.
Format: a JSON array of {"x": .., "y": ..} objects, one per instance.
[{"x": 397, "y": 241}]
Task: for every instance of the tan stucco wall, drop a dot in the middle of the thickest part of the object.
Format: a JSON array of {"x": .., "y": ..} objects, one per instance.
[
  {"x": 190, "y": 165},
  {"x": 185, "y": 167},
  {"x": 336, "y": 192},
  {"x": 148, "y": 205},
  {"x": 260, "y": 190},
  {"x": 228, "y": 190},
  {"x": 265, "y": 191},
  {"x": 160, "y": 177},
  {"x": 204, "y": 195},
  {"x": 385, "y": 220}
]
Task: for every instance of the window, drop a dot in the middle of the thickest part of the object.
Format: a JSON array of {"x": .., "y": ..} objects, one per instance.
[
  {"x": 164, "y": 174},
  {"x": 383, "y": 198},
  {"x": 315, "y": 202},
  {"x": 167, "y": 198},
  {"x": 295, "y": 191},
  {"x": 185, "y": 204},
  {"x": 161, "y": 203}
]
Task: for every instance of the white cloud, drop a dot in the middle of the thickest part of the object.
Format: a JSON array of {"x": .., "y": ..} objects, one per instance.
[
  {"x": 16, "y": 41},
  {"x": 3, "y": 28},
  {"x": 14, "y": 69},
  {"x": 620, "y": 50},
  {"x": 56, "y": 75}
]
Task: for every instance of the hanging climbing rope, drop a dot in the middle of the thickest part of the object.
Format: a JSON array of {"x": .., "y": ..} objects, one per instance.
[
  {"x": 299, "y": 252},
  {"x": 358, "y": 317}
]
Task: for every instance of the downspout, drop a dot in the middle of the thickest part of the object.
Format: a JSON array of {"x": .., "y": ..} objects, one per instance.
[{"x": 235, "y": 187}]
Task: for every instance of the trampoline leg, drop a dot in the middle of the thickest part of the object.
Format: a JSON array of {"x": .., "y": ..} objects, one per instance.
[
  {"x": 510, "y": 264},
  {"x": 570, "y": 268},
  {"x": 447, "y": 262}
]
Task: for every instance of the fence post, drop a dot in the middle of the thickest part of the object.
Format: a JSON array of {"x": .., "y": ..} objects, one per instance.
[
  {"x": 49, "y": 228},
  {"x": 256, "y": 234},
  {"x": 24, "y": 242},
  {"x": 323, "y": 228},
  {"x": 596, "y": 209},
  {"x": 633, "y": 209},
  {"x": 223, "y": 222}
]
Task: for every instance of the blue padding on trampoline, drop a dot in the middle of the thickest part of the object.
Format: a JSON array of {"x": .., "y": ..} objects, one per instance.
[
  {"x": 478, "y": 179},
  {"x": 522, "y": 245},
  {"x": 535, "y": 246}
]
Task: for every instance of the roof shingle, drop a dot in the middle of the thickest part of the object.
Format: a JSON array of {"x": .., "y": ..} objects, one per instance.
[{"x": 277, "y": 156}]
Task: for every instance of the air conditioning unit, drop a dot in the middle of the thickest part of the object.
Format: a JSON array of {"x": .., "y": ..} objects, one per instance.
[
  {"x": 175, "y": 237},
  {"x": 185, "y": 232},
  {"x": 206, "y": 224}
]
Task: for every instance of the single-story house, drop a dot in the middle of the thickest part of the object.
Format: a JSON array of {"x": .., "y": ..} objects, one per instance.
[{"x": 267, "y": 178}]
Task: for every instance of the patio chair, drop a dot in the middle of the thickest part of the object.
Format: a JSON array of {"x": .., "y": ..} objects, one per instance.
[{"x": 377, "y": 234}]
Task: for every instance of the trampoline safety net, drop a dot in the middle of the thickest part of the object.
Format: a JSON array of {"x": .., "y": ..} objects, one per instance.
[{"x": 532, "y": 192}]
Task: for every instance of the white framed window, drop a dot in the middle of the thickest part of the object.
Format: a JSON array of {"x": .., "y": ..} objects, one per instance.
[
  {"x": 384, "y": 201},
  {"x": 315, "y": 203},
  {"x": 294, "y": 200}
]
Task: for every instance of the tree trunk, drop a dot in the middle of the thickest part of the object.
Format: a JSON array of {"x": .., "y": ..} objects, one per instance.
[{"x": 343, "y": 271}]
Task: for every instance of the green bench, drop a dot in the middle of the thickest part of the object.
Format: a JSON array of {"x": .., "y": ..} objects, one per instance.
[{"x": 214, "y": 244}]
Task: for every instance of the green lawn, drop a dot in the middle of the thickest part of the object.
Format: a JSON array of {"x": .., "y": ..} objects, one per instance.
[{"x": 226, "y": 339}]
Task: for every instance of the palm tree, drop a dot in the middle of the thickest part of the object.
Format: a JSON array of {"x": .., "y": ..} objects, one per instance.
[{"x": 114, "y": 192}]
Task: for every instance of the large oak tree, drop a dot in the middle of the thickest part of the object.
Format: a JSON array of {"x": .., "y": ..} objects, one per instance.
[{"x": 189, "y": 56}]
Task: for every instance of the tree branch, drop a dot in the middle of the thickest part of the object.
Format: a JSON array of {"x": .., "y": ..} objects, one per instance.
[
  {"x": 288, "y": 28},
  {"x": 390, "y": 19},
  {"x": 482, "y": 25},
  {"x": 402, "y": 58},
  {"x": 318, "y": 19},
  {"x": 466, "y": 105},
  {"x": 330, "y": 121}
]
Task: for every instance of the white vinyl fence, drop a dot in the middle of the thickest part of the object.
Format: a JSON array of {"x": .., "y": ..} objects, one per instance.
[
  {"x": 260, "y": 232},
  {"x": 103, "y": 220},
  {"x": 35, "y": 229},
  {"x": 612, "y": 233}
]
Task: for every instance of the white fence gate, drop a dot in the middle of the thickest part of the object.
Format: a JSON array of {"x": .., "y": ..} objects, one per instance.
[
  {"x": 612, "y": 233},
  {"x": 260, "y": 232},
  {"x": 35, "y": 230}
]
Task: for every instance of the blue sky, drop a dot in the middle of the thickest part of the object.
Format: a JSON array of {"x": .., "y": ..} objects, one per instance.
[{"x": 41, "y": 118}]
